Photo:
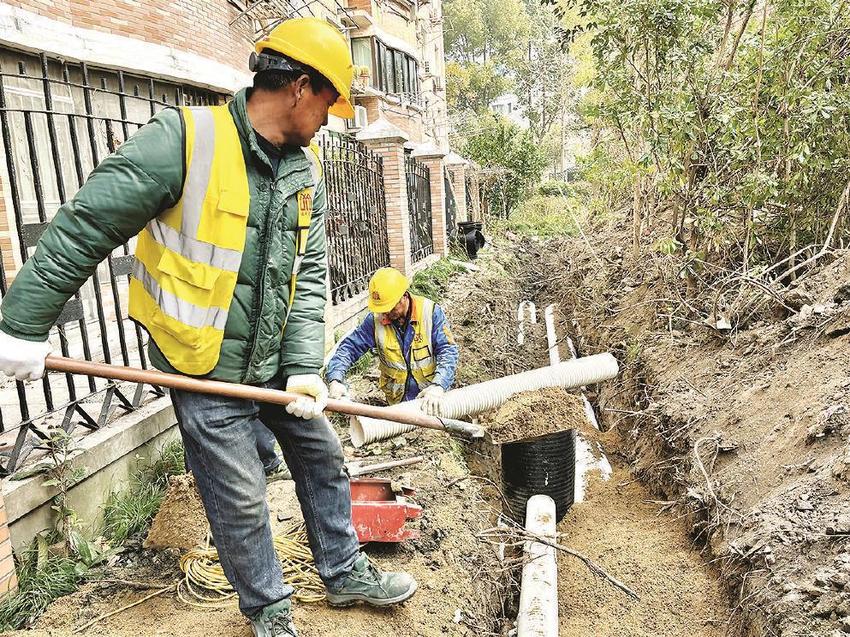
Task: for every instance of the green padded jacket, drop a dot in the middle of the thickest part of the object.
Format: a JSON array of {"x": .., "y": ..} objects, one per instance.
[{"x": 141, "y": 179}]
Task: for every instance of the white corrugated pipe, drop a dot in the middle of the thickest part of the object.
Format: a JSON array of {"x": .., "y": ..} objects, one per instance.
[
  {"x": 538, "y": 597},
  {"x": 492, "y": 394},
  {"x": 364, "y": 430}
]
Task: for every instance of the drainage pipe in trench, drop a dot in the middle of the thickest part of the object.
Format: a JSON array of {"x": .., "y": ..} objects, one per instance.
[
  {"x": 520, "y": 317},
  {"x": 586, "y": 460},
  {"x": 492, "y": 394},
  {"x": 538, "y": 598}
]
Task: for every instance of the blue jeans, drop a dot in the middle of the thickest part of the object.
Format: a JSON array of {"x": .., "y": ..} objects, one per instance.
[
  {"x": 265, "y": 446},
  {"x": 221, "y": 449}
]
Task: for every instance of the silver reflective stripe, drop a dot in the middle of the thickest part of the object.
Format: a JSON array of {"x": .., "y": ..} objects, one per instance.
[
  {"x": 314, "y": 165},
  {"x": 198, "y": 174},
  {"x": 296, "y": 267},
  {"x": 426, "y": 324},
  {"x": 193, "y": 249},
  {"x": 178, "y": 309}
]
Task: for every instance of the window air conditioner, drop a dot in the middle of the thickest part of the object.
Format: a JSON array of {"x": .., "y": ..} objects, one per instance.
[{"x": 361, "y": 118}]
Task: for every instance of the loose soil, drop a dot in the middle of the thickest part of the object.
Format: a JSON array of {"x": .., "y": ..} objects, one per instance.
[
  {"x": 180, "y": 522},
  {"x": 533, "y": 414},
  {"x": 621, "y": 529}
]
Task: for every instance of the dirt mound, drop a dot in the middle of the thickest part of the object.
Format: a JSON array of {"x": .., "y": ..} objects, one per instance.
[
  {"x": 619, "y": 527},
  {"x": 181, "y": 522},
  {"x": 746, "y": 430},
  {"x": 535, "y": 413}
]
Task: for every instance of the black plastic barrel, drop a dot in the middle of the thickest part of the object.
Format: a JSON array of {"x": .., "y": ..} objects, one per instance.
[
  {"x": 471, "y": 237},
  {"x": 544, "y": 465}
]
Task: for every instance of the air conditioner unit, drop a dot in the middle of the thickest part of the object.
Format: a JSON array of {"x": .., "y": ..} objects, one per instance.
[{"x": 361, "y": 118}]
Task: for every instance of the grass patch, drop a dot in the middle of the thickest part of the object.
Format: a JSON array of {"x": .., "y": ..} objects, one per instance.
[
  {"x": 433, "y": 281},
  {"x": 44, "y": 575},
  {"x": 541, "y": 215},
  {"x": 363, "y": 364},
  {"x": 129, "y": 512},
  {"x": 41, "y": 579}
]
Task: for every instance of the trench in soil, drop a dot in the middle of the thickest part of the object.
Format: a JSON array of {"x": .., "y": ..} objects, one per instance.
[{"x": 465, "y": 589}]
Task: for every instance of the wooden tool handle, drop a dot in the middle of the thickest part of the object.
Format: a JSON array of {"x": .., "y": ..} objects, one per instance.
[{"x": 249, "y": 392}]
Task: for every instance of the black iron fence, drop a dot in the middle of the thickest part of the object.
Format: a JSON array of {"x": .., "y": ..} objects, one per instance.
[
  {"x": 451, "y": 207},
  {"x": 356, "y": 218},
  {"x": 57, "y": 121},
  {"x": 419, "y": 208}
]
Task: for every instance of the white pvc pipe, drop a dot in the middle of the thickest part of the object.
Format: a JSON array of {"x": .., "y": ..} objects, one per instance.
[
  {"x": 475, "y": 399},
  {"x": 538, "y": 597},
  {"x": 520, "y": 317},
  {"x": 551, "y": 335}
]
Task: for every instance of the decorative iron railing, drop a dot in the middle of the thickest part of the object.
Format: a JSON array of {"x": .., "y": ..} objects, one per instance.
[
  {"x": 419, "y": 208},
  {"x": 57, "y": 121},
  {"x": 356, "y": 218}
]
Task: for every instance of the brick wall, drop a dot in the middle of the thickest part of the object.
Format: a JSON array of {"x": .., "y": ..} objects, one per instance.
[
  {"x": 195, "y": 26},
  {"x": 8, "y": 580}
]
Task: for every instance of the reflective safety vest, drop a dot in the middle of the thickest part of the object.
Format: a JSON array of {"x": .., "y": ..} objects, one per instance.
[
  {"x": 188, "y": 258},
  {"x": 421, "y": 361}
]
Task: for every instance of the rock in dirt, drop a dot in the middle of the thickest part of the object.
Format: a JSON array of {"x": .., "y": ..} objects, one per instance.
[
  {"x": 536, "y": 413},
  {"x": 181, "y": 522},
  {"x": 840, "y": 526}
]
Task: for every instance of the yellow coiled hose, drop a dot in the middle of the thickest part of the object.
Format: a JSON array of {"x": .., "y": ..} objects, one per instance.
[{"x": 204, "y": 583}]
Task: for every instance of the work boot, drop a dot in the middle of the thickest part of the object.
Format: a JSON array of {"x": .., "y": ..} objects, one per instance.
[
  {"x": 280, "y": 472},
  {"x": 367, "y": 583},
  {"x": 275, "y": 620}
]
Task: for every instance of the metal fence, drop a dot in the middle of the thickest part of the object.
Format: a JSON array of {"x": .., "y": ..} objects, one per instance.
[
  {"x": 419, "y": 208},
  {"x": 451, "y": 207},
  {"x": 57, "y": 121},
  {"x": 356, "y": 219}
]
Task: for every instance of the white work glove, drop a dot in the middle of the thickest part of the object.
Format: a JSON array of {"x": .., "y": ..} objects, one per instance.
[
  {"x": 22, "y": 359},
  {"x": 337, "y": 390},
  {"x": 432, "y": 399},
  {"x": 313, "y": 386}
]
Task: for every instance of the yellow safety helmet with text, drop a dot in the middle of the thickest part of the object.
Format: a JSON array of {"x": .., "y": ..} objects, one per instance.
[
  {"x": 318, "y": 44},
  {"x": 386, "y": 287}
]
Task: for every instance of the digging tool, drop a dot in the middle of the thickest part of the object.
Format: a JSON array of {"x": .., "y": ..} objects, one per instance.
[{"x": 261, "y": 394}]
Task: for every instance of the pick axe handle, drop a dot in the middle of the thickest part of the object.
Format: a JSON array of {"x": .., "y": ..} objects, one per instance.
[{"x": 249, "y": 392}]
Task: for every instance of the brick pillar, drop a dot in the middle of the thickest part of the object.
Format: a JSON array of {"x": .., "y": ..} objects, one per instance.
[
  {"x": 432, "y": 157},
  {"x": 457, "y": 174},
  {"x": 475, "y": 213},
  {"x": 387, "y": 141},
  {"x": 8, "y": 579}
]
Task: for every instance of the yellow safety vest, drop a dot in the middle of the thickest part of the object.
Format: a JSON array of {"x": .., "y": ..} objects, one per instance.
[
  {"x": 391, "y": 361},
  {"x": 188, "y": 257}
]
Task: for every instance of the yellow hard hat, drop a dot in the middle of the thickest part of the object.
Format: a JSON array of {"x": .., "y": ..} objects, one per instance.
[
  {"x": 386, "y": 287},
  {"x": 316, "y": 43}
]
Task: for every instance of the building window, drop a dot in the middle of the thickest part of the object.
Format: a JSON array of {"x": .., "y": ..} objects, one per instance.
[
  {"x": 361, "y": 52},
  {"x": 392, "y": 71}
]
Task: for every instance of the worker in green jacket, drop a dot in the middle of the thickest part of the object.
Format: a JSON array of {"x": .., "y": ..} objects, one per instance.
[{"x": 228, "y": 206}]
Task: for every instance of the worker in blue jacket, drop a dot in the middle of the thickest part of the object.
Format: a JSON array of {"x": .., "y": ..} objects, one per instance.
[{"x": 417, "y": 354}]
